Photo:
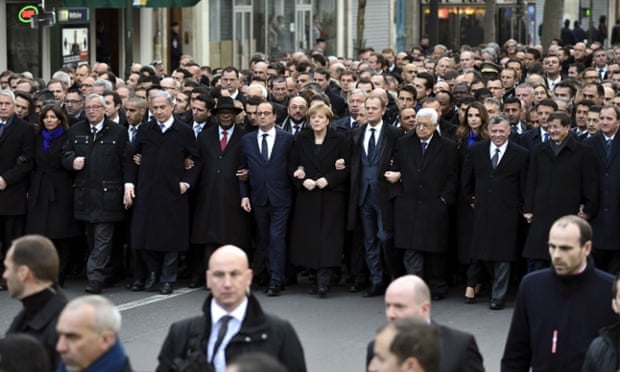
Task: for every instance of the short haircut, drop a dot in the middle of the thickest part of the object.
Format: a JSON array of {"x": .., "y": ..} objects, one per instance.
[
  {"x": 20, "y": 352},
  {"x": 415, "y": 338},
  {"x": 168, "y": 97},
  {"x": 563, "y": 117},
  {"x": 107, "y": 317},
  {"x": 377, "y": 96},
  {"x": 409, "y": 89},
  {"x": 115, "y": 97},
  {"x": 585, "y": 230},
  {"x": 548, "y": 102},
  {"x": 257, "y": 362},
  {"x": 511, "y": 100},
  {"x": 428, "y": 112},
  {"x": 38, "y": 254},
  {"x": 497, "y": 119},
  {"x": 323, "y": 108}
]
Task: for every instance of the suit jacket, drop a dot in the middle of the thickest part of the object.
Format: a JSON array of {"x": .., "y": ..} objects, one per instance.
[
  {"x": 386, "y": 190},
  {"x": 288, "y": 125},
  {"x": 459, "y": 351},
  {"x": 498, "y": 198},
  {"x": 448, "y": 130},
  {"x": 269, "y": 182},
  {"x": 530, "y": 139},
  {"x": 156, "y": 182},
  {"x": 606, "y": 222},
  {"x": 557, "y": 186},
  {"x": 339, "y": 106},
  {"x": 16, "y": 161},
  {"x": 428, "y": 185}
]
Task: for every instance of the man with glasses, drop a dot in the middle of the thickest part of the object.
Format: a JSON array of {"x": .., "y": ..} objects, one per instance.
[
  {"x": 96, "y": 150},
  {"x": 74, "y": 105}
]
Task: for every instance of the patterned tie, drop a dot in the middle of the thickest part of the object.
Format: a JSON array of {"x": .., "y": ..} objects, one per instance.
[
  {"x": 132, "y": 134},
  {"x": 296, "y": 130},
  {"x": 197, "y": 130},
  {"x": 162, "y": 127},
  {"x": 224, "y": 140},
  {"x": 424, "y": 146},
  {"x": 264, "y": 149},
  {"x": 221, "y": 334},
  {"x": 355, "y": 124},
  {"x": 495, "y": 158},
  {"x": 93, "y": 132},
  {"x": 371, "y": 143}
]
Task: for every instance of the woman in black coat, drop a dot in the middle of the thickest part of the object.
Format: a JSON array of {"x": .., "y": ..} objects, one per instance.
[
  {"x": 50, "y": 196},
  {"x": 318, "y": 228},
  {"x": 472, "y": 129}
]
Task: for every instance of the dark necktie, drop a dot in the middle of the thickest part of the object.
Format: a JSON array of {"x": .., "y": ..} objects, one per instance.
[
  {"x": 355, "y": 124},
  {"x": 197, "y": 130},
  {"x": 546, "y": 137},
  {"x": 264, "y": 149},
  {"x": 371, "y": 143},
  {"x": 2, "y": 124},
  {"x": 221, "y": 334},
  {"x": 93, "y": 132},
  {"x": 424, "y": 146},
  {"x": 608, "y": 148},
  {"x": 296, "y": 130},
  {"x": 162, "y": 127},
  {"x": 495, "y": 158},
  {"x": 224, "y": 140}
]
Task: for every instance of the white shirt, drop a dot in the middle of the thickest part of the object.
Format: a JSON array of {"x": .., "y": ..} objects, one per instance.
[
  {"x": 542, "y": 134},
  {"x": 367, "y": 134},
  {"x": 98, "y": 126},
  {"x": 234, "y": 325},
  {"x": 129, "y": 127},
  {"x": 271, "y": 139},
  {"x": 502, "y": 151},
  {"x": 167, "y": 124},
  {"x": 229, "y": 133}
]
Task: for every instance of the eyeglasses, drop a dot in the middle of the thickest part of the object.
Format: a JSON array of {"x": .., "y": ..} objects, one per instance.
[
  {"x": 86, "y": 85},
  {"x": 264, "y": 113},
  {"x": 93, "y": 108}
]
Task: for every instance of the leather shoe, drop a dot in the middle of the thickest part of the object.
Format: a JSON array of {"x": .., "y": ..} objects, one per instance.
[
  {"x": 151, "y": 281},
  {"x": 496, "y": 304},
  {"x": 137, "y": 286},
  {"x": 273, "y": 290},
  {"x": 323, "y": 292},
  {"x": 374, "y": 291},
  {"x": 470, "y": 300},
  {"x": 94, "y": 287},
  {"x": 165, "y": 288},
  {"x": 355, "y": 287}
]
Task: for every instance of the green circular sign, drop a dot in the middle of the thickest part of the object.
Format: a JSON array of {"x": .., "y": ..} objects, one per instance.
[{"x": 26, "y": 13}]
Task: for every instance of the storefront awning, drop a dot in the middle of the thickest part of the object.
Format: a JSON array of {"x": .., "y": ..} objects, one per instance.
[{"x": 123, "y": 3}]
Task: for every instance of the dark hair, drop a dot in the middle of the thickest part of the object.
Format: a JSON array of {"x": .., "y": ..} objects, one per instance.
[
  {"x": 20, "y": 352},
  {"x": 38, "y": 254},
  {"x": 257, "y": 362},
  {"x": 60, "y": 114},
  {"x": 563, "y": 117},
  {"x": 418, "y": 339},
  {"x": 585, "y": 230},
  {"x": 510, "y": 100},
  {"x": 549, "y": 103},
  {"x": 409, "y": 89}
]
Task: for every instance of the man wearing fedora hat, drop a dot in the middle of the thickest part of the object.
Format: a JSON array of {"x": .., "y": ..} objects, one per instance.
[
  {"x": 218, "y": 219},
  {"x": 158, "y": 192}
]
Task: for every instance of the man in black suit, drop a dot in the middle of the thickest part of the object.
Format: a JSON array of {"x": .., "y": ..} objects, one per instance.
[
  {"x": 373, "y": 146},
  {"x": 428, "y": 174},
  {"x": 295, "y": 122},
  {"x": 16, "y": 161},
  {"x": 96, "y": 149},
  {"x": 444, "y": 128},
  {"x": 606, "y": 146},
  {"x": 409, "y": 297},
  {"x": 268, "y": 192},
  {"x": 493, "y": 179},
  {"x": 356, "y": 102},
  {"x": 531, "y": 138},
  {"x": 160, "y": 218}
]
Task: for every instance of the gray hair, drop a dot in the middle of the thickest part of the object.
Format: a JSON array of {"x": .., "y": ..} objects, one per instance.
[
  {"x": 163, "y": 94},
  {"x": 107, "y": 316},
  {"x": 9, "y": 93},
  {"x": 428, "y": 112},
  {"x": 107, "y": 85},
  {"x": 62, "y": 76},
  {"x": 262, "y": 88},
  {"x": 96, "y": 96}
]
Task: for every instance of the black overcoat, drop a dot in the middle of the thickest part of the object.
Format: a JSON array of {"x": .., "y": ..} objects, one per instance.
[
  {"x": 160, "y": 218},
  {"x": 50, "y": 195},
  {"x": 498, "y": 199},
  {"x": 428, "y": 187},
  {"x": 318, "y": 227},
  {"x": 557, "y": 186},
  {"x": 16, "y": 160},
  {"x": 218, "y": 217}
]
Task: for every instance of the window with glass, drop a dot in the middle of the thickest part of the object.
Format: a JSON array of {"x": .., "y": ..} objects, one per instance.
[{"x": 23, "y": 42}]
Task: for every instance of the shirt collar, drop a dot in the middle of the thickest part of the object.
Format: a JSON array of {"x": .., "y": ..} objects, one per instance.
[
  {"x": 271, "y": 133},
  {"x": 168, "y": 123},
  {"x": 378, "y": 127},
  {"x": 217, "y": 312}
]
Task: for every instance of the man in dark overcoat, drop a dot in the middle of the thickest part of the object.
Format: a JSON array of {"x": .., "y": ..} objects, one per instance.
[
  {"x": 369, "y": 199},
  {"x": 160, "y": 220},
  {"x": 562, "y": 179},
  {"x": 96, "y": 149},
  {"x": 494, "y": 185},
  {"x": 428, "y": 166},
  {"x": 218, "y": 218},
  {"x": 606, "y": 146}
]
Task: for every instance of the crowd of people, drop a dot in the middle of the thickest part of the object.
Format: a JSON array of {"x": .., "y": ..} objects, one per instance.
[{"x": 449, "y": 165}]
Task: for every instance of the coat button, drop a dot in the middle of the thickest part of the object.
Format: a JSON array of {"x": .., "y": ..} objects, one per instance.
[
  {"x": 247, "y": 339},
  {"x": 105, "y": 189},
  {"x": 220, "y": 157},
  {"x": 217, "y": 171},
  {"x": 263, "y": 336}
]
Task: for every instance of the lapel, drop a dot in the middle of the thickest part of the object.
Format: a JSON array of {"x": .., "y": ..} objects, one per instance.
[
  {"x": 432, "y": 149},
  {"x": 615, "y": 144},
  {"x": 505, "y": 158},
  {"x": 9, "y": 127}
]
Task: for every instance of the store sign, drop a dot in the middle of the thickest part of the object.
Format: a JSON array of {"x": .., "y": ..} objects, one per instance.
[
  {"x": 26, "y": 13},
  {"x": 73, "y": 15}
]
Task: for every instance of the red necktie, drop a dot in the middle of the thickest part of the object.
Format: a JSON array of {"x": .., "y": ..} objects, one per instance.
[{"x": 223, "y": 140}]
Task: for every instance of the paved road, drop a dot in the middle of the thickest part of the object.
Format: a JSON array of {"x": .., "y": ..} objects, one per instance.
[{"x": 334, "y": 331}]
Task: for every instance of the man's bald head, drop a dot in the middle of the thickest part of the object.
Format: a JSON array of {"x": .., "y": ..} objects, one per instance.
[
  {"x": 408, "y": 297},
  {"x": 229, "y": 276}
]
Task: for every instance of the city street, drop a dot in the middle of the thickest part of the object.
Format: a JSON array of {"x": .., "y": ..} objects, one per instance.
[{"x": 334, "y": 331}]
